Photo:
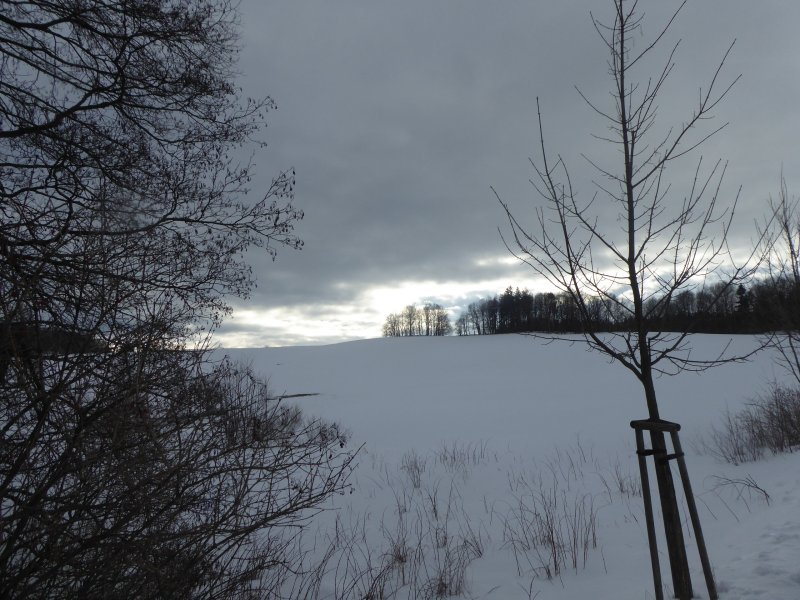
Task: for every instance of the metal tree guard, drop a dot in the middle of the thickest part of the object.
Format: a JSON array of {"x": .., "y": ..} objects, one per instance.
[{"x": 661, "y": 456}]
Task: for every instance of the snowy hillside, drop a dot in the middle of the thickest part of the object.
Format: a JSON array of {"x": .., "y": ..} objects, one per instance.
[{"x": 470, "y": 442}]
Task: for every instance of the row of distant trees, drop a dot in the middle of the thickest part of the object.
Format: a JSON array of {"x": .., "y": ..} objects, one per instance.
[
  {"x": 430, "y": 319},
  {"x": 719, "y": 308}
]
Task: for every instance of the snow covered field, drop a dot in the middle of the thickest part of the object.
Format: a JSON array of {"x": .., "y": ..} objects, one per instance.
[{"x": 477, "y": 448}]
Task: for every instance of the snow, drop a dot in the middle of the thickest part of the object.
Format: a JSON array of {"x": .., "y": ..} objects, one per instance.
[{"x": 464, "y": 439}]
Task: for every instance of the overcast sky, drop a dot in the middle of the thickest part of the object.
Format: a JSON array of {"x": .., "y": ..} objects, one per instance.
[{"x": 399, "y": 116}]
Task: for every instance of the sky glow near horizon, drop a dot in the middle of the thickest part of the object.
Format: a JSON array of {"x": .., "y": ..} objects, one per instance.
[
  {"x": 398, "y": 117},
  {"x": 335, "y": 323}
]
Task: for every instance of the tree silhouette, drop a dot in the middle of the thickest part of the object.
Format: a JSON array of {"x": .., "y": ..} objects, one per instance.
[
  {"x": 662, "y": 242},
  {"x": 131, "y": 465}
]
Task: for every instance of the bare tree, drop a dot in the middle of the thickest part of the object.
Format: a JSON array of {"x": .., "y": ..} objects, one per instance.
[
  {"x": 131, "y": 466},
  {"x": 784, "y": 281},
  {"x": 392, "y": 327},
  {"x": 660, "y": 242},
  {"x": 436, "y": 320},
  {"x": 441, "y": 321}
]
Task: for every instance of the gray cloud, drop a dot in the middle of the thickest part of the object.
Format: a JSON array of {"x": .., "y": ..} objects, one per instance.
[{"x": 399, "y": 116}]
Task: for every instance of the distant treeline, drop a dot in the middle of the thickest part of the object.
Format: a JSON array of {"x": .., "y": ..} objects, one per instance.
[
  {"x": 431, "y": 319},
  {"x": 720, "y": 308}
]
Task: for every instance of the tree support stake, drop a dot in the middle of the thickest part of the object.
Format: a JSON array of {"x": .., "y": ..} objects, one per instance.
[{"x": 663, "y": 458}]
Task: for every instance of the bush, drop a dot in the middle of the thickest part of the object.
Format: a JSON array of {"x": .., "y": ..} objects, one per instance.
[
  {"x": 771, "y": 423},
  {"x": 191, "y": 483}
]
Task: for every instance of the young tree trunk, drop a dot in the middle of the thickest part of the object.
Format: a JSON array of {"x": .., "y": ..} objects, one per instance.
[
  {"x": 676, "y": 547},
  {"x": 673, "y": 530}
]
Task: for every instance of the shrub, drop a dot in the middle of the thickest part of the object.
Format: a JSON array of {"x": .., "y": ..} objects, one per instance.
[{"x": 771, "y": 423}]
